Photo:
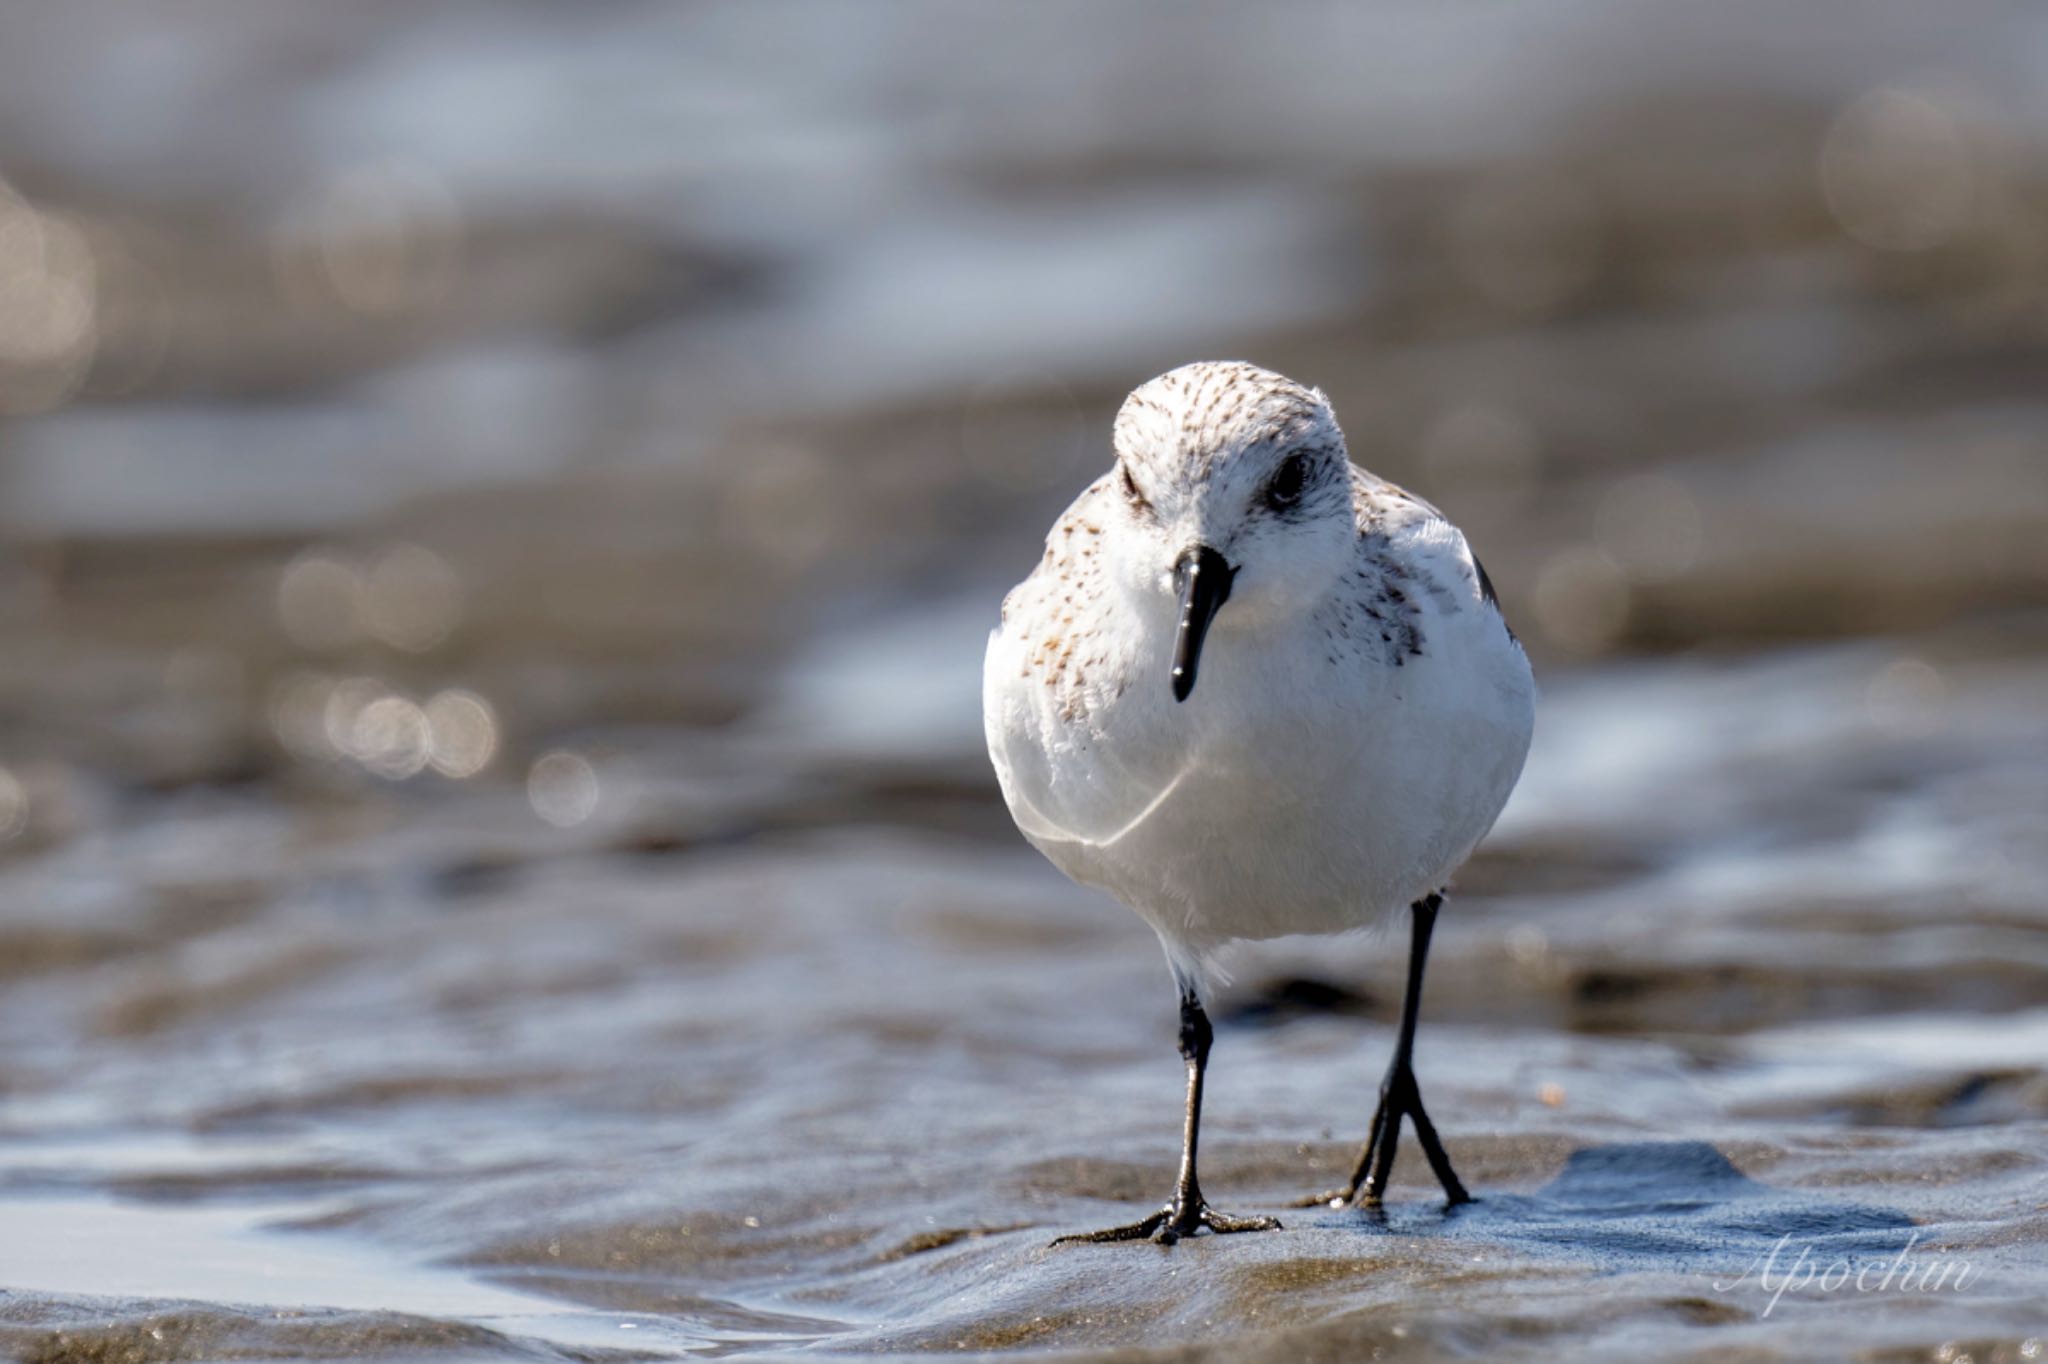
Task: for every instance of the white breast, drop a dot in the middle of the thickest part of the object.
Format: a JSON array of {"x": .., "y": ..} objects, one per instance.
[{"x": 1322, "y": 774}]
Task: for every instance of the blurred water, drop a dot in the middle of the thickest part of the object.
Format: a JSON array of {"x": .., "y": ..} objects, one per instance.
[{"x": 499, "y": 515}]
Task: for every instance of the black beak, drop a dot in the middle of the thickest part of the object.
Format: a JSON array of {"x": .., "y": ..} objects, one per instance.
[{"x": 1204, "y": 578}]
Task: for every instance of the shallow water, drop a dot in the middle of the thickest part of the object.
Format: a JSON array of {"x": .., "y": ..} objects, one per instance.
[
  {"x": 496, "y": 858},
  {"x": 679, "y": 1081}
]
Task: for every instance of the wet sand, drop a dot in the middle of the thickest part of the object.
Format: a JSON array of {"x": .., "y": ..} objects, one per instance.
[{"x": 671, "y": 1082}]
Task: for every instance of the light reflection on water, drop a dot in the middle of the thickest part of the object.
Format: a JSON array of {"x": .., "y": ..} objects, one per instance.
[
  {"x": 204, "y": 1253},
  {"x": 232, "y": 1254}
]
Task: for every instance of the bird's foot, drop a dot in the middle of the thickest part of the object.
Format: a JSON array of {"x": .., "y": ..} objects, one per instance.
[
  {"x": 1177, "y": 1219},
  {"x": 1400, "y": 1100},
  {"x": 1328, "y": 1198}
]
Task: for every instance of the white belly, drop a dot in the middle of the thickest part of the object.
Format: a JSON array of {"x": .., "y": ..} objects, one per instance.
[{"x": 1288, "y": 794}]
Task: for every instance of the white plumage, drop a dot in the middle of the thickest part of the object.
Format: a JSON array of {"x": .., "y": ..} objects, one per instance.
[
  {"x": 1359, "y": 717},
  {"x": 1353, "y": 722}
]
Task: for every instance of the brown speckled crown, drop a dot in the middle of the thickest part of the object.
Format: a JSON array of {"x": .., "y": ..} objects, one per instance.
[{"x": 1175, "y": 426}]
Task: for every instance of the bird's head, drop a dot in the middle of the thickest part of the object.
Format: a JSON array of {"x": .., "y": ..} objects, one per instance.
[{"x": 1234, "y": 488}]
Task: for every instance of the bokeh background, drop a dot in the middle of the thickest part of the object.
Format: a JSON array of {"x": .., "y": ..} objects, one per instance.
[{"x": 500, "y": 507}]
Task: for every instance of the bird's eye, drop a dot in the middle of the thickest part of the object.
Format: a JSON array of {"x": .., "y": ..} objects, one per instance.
[
  {"x": 1285, "y": 488},
  {"x": 1130, "y": 486}
]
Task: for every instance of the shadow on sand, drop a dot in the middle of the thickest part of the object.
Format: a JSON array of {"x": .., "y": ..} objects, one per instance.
[{"x": 1678, "y": 1205}]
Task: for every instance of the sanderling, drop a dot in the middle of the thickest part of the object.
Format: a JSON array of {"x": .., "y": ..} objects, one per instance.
[{"x": 1363, "y": 709}]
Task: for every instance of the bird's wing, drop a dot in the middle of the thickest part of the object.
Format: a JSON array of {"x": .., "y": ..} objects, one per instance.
[{"x": 1414, "y": 546}]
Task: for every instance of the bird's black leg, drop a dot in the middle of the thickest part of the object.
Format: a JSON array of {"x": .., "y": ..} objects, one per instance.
[
  {"x": 1400, "y": 1097},
  {"x": 1187, "y": 1213}
]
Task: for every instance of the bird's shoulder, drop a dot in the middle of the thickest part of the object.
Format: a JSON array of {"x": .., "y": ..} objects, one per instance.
[
  {"x": 1057, "y": 641},
  {"x": 1413, "y": 572},
  {"x": 1072, "y": 561},
  {"x": 1383, "y": 507}
]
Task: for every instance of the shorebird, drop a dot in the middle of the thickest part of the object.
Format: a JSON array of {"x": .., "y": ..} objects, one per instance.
[{"x": 1253, "y": 690}]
